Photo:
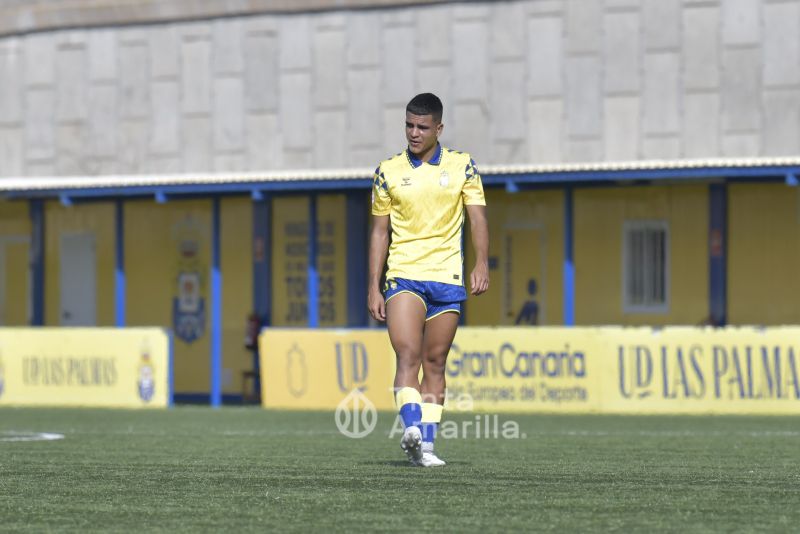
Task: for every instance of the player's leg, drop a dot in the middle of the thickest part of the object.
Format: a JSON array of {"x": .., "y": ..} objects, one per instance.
[
  {"x": 405, "y": 319},
  {"x": 440, "y": 330}
]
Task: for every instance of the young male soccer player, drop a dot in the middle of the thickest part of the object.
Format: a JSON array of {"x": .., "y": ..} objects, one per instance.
[{"x": 420, "y": 194}]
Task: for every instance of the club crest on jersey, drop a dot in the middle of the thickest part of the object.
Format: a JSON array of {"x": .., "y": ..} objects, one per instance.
[{"x": 444, "y": 179}]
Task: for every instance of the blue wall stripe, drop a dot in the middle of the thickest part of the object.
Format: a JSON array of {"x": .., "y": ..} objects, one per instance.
[
  {"x": 312, "y": 274},
  {"x": 569, "y": 261},
  {"x": 718, "y": 254},
  {"x": 37, "y": 261},
  {"x": 119, "y": 270},
  {"x": 216, "y": 308}
]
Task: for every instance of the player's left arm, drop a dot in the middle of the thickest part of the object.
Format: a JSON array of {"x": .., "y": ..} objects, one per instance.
[{"x": 479, "y": 226}]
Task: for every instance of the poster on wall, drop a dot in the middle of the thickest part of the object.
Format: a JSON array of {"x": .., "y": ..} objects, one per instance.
[
  {"x": 290, "y": 263},
  {"x": 189, "y": 301}
]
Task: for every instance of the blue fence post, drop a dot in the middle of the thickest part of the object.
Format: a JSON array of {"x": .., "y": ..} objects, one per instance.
[
  {"x": 216, "y": 308},
  {"x": 312, "y": 272},
  {"x": 569, "y": 261},
  {"x": 119, "y": 270},
  {"x": 37, "y": 250},
  {"x": 718, "y": 254}
]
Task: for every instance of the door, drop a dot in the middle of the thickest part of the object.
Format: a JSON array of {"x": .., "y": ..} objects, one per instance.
[
  {"x": 78, "y": 280},
  {"x": 523, "y": 275},
  {"x": 15, "y": 295}
]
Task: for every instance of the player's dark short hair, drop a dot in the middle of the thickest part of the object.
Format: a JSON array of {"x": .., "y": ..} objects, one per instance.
[{"x": 426, "y": 104}]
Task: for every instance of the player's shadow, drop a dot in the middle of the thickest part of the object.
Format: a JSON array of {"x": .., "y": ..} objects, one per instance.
[{"x": 405, "y": 464}]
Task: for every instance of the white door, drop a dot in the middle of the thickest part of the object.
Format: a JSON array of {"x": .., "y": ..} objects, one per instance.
[{"x": 78, "y": 280}]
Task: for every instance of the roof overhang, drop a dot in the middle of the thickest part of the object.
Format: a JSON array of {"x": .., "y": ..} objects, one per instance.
[{"x": 513, "y": 177}]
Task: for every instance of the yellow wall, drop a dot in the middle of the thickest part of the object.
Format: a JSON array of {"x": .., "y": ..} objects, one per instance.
[
  {"x": 289, "y": 261},
  {"x": 15, "y": 231},
  {"x": 153, "y": 235},
  {"x": 525, "y": 241},
  {"x": 764, "y": 254},
  {"x": 96, "y": 219},
  {"x": 237, "y": 288},
  {"x": 599, "y": 217}
]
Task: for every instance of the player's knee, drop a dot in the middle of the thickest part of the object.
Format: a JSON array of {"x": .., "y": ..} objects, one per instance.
[
  {"x": 434, "y": 364},
  {"x": 408, "y": 359}
]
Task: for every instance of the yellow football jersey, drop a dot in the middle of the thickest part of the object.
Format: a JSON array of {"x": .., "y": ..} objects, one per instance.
[{"x": 425, "y": 203}]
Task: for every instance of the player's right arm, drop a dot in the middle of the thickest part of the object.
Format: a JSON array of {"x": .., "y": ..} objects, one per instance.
[
  {"x": 378, "y": 244},
  {"x": 378, "y": 249}
]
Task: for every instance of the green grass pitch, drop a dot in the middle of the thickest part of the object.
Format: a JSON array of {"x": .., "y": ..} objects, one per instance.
[{"x": 247, "y": 469}]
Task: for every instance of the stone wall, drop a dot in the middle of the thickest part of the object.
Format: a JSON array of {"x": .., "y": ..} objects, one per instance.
[{"x": 523, "y": 82}]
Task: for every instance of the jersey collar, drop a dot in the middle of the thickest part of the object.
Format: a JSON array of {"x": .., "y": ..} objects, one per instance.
[{"x": 435, "y": 159}]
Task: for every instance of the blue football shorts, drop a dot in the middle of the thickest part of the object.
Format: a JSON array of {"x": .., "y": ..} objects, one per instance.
[{"x": 437, "y": 297}]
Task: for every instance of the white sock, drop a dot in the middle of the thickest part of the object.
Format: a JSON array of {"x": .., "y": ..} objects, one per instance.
[{"x": 427, "y": 446}]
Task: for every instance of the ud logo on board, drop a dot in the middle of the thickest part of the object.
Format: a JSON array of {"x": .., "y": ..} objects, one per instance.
[
  {"x": 146, "y": 385},
  {"x": 296, "y": 371},
  {"x": 188, "y": 308},
  {"x": 352, "y": 366}
]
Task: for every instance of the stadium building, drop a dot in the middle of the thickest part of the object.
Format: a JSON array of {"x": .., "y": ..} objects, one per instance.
[{"x": 188, "y": 164}]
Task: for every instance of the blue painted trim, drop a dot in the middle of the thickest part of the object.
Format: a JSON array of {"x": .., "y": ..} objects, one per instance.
[
  {"x": 171, "y": 369},
  {"x": 312, "y": 272},
  {"x": 119, "y": 267},
  {"x": 356, "y": 242},
  {"x": 569, "y": 259},
  {"x": 718, "y": 254},
  {"x": 765, "y": 173},
  {"x": 514, "y": 181},
  {"x": 216, "y": 307},
  {"x": 37, "y": 252},
  {"x": 196, "y": 190},
  {"x": 564, "y": 177},
  {"x": 205, "y": 398}
]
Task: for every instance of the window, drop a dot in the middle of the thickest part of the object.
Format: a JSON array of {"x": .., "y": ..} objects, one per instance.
[{"x": 646, "y": 267}]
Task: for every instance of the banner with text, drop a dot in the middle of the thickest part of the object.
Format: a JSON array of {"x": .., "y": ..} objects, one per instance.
[
  {"x": 316, "y": 369},
  {"x": 571, "y": 370},
  {"x": 104, "y": 367}
]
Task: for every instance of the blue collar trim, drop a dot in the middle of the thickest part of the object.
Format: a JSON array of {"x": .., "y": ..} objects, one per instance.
[{"x": 435, "y": 159}]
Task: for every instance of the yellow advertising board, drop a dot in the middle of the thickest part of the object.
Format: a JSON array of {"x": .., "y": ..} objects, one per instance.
[
  {"x": 104, "y": 367},
  {"x": 732, "y": 370},
  {"x": 316, "y": 369},
  {"x": 519, "y": 369},
  {"x": 675, "y": 370}
]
